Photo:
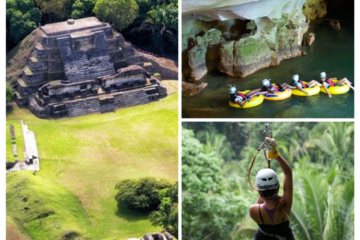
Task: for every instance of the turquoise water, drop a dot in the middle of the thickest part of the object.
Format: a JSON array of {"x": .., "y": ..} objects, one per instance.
[{"x": 332, "y": 51}]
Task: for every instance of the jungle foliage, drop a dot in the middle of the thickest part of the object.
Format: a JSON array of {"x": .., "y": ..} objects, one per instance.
[
  {"x": 150, "y": 24},
  {"x": 140, "y": 194},
  {"x": 22, "y": 16},
  {"x": 149, "y": 194},
  {"x": 9, "y": 93},
  {"x": 120, "y": 13},
  {"x": 216, "y": 159},
  {"x": 167, "y": 214}
]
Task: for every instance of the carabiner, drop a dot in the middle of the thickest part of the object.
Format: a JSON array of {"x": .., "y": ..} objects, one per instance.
[
  {"x": 266, "y": 158},
  {"x": 265, "y": 131}
]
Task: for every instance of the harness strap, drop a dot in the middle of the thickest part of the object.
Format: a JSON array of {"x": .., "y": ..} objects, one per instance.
[
  {"x": 261, "y": 215},
  {"x": 252, "y": 162},
  {"x": 272, "y": 235}
]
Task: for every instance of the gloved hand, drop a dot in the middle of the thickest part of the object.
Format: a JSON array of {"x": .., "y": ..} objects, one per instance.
[{"x": 271, "y": 146}]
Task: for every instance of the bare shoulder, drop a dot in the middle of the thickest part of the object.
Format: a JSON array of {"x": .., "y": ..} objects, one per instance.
[{"x": 253, "y": 209}]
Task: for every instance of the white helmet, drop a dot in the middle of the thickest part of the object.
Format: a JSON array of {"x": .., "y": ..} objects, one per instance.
[
  {"x": 323, "y": 75},
  {"x": 266, "y": 82},
  {"x": 266, "y": 179},
  {"x": 296, "y": 77},
  {"x": 232, "y": 89}
]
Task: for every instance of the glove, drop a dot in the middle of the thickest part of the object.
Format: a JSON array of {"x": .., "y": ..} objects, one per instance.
[{"x": 271, "y": 146}]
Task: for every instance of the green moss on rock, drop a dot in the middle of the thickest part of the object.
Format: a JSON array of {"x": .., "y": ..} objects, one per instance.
[{"x": 251, "y": 25}]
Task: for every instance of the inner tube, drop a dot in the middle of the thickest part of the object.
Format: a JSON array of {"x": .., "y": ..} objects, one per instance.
[
  {"x": 278, "y": 95},
  {"x": 255, "y": 101},
  {"x": 312, "y": 91},
  {"x": 336, "y": 89}
]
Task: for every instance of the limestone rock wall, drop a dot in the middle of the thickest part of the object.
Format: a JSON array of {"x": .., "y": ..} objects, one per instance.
[
  {"x": 204, "y": 56},
  {"x": 315, "y": 9},
  {"x": 246, "y": 35}
]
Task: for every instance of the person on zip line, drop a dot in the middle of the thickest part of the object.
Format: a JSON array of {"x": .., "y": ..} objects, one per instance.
[
  {"x": 300, "y": 85},
  {"x": 238, "y": 98},
  {"x": 326, "y": 82},
  {"x": 272, "y": 211}
]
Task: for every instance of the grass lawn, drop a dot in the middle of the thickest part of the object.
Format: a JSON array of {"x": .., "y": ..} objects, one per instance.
[{"x": 84, "y": 157}]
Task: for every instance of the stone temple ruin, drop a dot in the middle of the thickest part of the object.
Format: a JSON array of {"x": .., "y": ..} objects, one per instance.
[{"x": 83, "y": 66}]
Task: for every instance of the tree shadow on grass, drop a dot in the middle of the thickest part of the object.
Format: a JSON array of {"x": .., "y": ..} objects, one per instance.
[
  {"x": 132, "y": 215},
  {"x": 9, "y": 109}
]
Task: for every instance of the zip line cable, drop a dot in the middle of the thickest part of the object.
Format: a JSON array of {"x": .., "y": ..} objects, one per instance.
[{"x": 262, "y": 144}]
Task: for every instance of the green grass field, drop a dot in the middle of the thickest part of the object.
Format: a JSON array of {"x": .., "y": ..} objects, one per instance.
[{"x": 81, "y": 160}]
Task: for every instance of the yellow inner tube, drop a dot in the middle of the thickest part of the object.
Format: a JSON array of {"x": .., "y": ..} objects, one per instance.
[
  {"x": 336, "y": 89},
  {"x": 255, "y": 101},
  {"x": 278, "y": 95},
  {"x": 312, "y": 91}
]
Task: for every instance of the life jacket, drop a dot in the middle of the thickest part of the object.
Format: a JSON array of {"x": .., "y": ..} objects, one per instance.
[
  {"x": 273, "y": 88},
  {"x": 233, "y": 96},
  {"x": 303, "y": 85},
  {"x": 330, "y": 82}
]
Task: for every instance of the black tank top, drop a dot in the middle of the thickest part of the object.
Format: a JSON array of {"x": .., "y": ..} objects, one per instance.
[{"x": 281, "y": 228}]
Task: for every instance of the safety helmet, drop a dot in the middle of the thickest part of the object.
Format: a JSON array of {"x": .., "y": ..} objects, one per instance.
[
  {"x": 296, "y": 77},
  {"x": 323, "y": 75},
  {"x": 266, "y": 179},
  {"x": 232, "y": 89},
  {"x": 266, "y": 82}
]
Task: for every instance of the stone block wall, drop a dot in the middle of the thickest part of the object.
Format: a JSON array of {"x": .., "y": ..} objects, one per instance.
[
  {"x": 80, "y": 108},
  {"x": 128, "y": 99},
  {"x": 100, "y": 104}
]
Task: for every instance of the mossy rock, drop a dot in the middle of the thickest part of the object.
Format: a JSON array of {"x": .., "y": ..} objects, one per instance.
[{"x": 251, "y": 25}]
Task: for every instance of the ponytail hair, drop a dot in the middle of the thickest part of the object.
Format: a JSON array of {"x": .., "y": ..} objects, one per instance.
[{"x": 280, "y": 203}]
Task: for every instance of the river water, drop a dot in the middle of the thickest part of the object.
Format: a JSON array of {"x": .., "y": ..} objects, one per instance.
[{"x": 332, "y": 51}]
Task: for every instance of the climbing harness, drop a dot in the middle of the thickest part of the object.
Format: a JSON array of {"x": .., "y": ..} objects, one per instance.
[{"x": 258, "y": 150}]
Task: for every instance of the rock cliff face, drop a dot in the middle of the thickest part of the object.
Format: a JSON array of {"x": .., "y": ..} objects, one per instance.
[
  {"x": 240, "y": 37},
  {"x": 315, "y": 9}
]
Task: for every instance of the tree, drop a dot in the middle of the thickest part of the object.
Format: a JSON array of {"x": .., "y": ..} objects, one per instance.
[
  {"x": 208, "y": 210},
  {"x": 120, "y": 13},
  {"x": 9, "y": 93},
  {"x": 22, "y": 17},
  {"x": 325, "y": 206},
  {"x": 216, "y": 143},
  {"x": 141, "y": 194},
  {"x": 167, "y": 213},
  {"x": 82, "y": 8},
  {"x": 162, "y": 23},
  {"x": 55, "y": 10}
]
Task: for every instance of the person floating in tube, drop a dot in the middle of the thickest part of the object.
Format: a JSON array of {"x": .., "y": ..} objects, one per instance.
[
  {"x": 326, "y": 82},
  {"x": 267, "y": 86},
  {"x": 272, "y": 211},
  {"x": 238, "y": 98},
  {"x": 297, "y": 83}
]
